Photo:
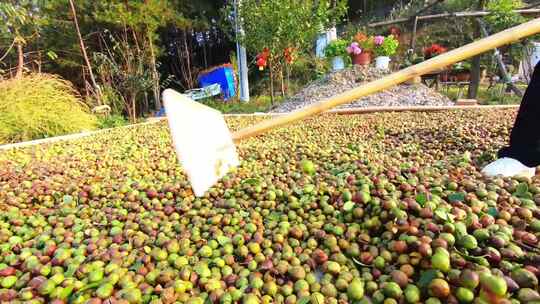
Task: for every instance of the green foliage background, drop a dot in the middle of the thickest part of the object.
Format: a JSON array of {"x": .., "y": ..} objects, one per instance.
[{"x": 132, "y": 44}]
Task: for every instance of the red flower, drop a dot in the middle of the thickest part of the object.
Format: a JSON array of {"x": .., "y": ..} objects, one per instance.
[
  {"x": 395, "y": 31},
  {"x": 289, "y": 54},
  {"x": 261, "y": 63},
  {"x": 265, "y": 53},
  {"x": 262, "y": 59},
  {"x": 434, "y": 50}
]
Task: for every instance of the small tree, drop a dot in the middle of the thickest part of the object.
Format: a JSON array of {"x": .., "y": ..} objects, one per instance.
[
  {"x": 124, "y": 70},
  {"x": 83, "y": 52},
  {"x": 17, "y": 22},
  {"x": 503, "y": 15},
  {"x": 139, "y": 22},
  {"x": 280, "y": 25}
]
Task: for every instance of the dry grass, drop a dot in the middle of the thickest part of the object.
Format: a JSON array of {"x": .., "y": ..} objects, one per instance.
[{"x": 39, "y": 106}]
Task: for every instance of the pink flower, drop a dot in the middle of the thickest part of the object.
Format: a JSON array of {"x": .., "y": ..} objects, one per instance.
[
  {"x": 378, "y": 40},
  {"x": 354, "y": 48}
]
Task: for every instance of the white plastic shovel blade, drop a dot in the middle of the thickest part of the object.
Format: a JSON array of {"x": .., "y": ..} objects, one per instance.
[{"x": 202, "y": 140}]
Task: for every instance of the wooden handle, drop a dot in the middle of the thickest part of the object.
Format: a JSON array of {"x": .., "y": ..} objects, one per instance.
[{"x": 506, "y": 37}]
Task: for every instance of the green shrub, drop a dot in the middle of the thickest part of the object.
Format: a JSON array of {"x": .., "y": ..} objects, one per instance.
[
  {"x": 113, "y": 99},
  {"x": 39, "y": 106},
  {"x": 309, "y": 68},
  {"x": 503, "y": 15},
  {"x": 112, "y": 121},
  {"x": 260, "y": 103},
  {"x": 388, "y": 47},
  {"x": 336, "y": 48}
]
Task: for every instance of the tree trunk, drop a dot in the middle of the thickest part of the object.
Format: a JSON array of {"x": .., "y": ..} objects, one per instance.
[
  {"x": 413, "y": 37},
  {"x": 288, "y": 69},
  {"x": 184, "y": 59},
  {"x": 155, "y": 75},
  {"x": 271, "y": 82},
  {"x": 282, "y": 79},
  {"x": 133, "y": 112},
  {"x": 128, "y": 109},
  {"x": 134, "y": 34},
  {"x": 476, "y": 69},
  {"x": 83, "y": 73},
  {"x": 20, "y": 61},
  {"x": 83, "y": 51},
  {"x": 188, "y": 61},
  {"x": 39, "y": 61},
  {"x": 146, "y": 107},
  {"x": 204, "y": 55},
  {"x": 365, "y": 8}
]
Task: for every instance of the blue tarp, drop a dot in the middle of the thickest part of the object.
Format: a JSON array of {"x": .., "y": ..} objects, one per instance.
[
  {"x": 224, "y": 76},
  {"x": 161, "y": 112}
]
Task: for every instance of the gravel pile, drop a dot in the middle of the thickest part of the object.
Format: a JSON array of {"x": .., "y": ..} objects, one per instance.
[{"x": 339, "y": 82}]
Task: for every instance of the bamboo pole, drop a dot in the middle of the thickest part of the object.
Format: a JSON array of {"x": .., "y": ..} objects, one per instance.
[
  {"x": 446, "y": 15},
  {"x": 481, "y": 46},
  {"x": 537, "y": 4},
  {"x": 427, "y": 7}
]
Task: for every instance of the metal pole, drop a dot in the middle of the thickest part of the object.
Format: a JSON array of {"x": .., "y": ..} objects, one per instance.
[{"x": 242, "y": 60}]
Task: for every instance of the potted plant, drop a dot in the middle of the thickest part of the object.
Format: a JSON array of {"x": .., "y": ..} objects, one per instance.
[
  {"x": 336, "y": 50},
  {"x": 434, "y": 50},
  {"x": 444, "y": 76},
  {"x": 384, "y": 48},
  {"x": 365, "y": 43},
  {"x": 355, "y": 51},
  {"x": 461, "y": 72},
  {"x": 411, "y": 60}
]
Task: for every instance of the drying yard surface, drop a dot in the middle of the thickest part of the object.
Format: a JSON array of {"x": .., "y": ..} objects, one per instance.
[{"x": 387, "y": 207}]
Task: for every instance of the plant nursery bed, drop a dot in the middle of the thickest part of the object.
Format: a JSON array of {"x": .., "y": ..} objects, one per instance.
[{"x": 374, "y": 208}]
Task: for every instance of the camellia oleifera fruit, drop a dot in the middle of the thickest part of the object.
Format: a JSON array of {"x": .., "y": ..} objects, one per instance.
[{"x": 378, "y": 208}]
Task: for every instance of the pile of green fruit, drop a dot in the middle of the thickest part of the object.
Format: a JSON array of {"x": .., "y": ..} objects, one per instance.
[{"x": 380, "y": 208}]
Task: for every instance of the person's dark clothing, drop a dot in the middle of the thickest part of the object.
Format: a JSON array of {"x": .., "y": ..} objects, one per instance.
[{"x": 525, "y": 136}]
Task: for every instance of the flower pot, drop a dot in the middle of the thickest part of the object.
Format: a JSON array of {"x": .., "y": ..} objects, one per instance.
[
  {"x": 363, "y": 58},
  {"x": 463, "y": 76},
  {"x": 337, "y": 63},
  {"x": 444, "y": 76},
  {"x": 382, "y": 62}
]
